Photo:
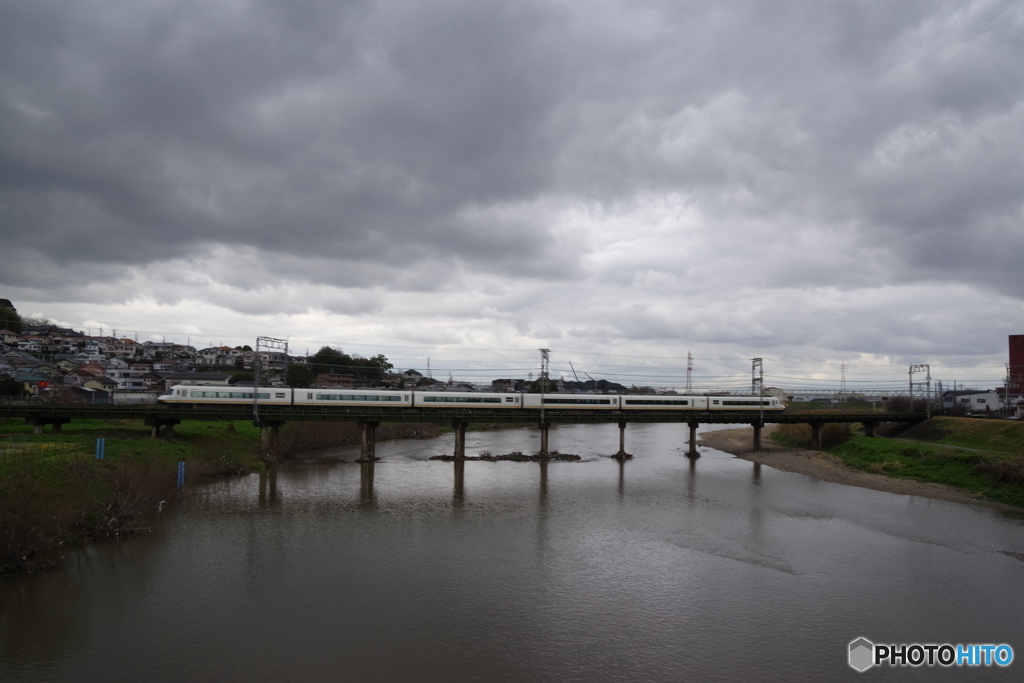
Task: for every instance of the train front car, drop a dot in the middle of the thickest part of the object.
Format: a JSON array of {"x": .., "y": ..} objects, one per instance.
[
  {"x": 465, "y": 399},
  {"x": 354, "y": 397},
  {"x": 193, "y": 394},
  {"x": 741, "y": 403}
]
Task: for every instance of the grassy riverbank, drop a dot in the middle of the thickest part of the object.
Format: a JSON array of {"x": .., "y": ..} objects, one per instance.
[
  {"x": 982, "y": 456},
  {"x": 54, "y": 493}
]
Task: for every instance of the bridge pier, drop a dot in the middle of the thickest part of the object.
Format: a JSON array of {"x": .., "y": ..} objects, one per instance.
[
  {"x": 460, "y": 439},
  {"x": 39, "y": 422},
  {"x": 622, "y": 454},
  {"x": 544, "y": 439},
  {"x": 869, "y": 428},
  {"x": 168, "y": 423},
  {"x": 369, "y": 449},
  {"x": 816, "y": 428},
  {"x": 692, "y": 453},
  {"x": 268, "y": 432},
  {"x": 757, "y": 435}
]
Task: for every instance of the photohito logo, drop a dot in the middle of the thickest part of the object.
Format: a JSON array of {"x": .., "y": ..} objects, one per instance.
[{"x": 863, "y": 654}]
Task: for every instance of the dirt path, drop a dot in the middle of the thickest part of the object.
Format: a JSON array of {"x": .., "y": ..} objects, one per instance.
[{"x": 827, "y": 467}]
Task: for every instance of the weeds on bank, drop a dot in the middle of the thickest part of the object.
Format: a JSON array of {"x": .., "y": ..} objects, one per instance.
[
  {"x": 999, "y": 477},
  {"x": 799, "y": 435},
  {"x": 54, "y": 493}
]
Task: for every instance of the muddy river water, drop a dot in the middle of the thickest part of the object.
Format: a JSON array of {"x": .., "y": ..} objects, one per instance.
[{"x": 658, "y": 569}]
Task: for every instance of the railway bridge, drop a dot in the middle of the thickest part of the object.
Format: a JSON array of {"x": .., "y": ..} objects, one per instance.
[{"x": 163, "y": 418}]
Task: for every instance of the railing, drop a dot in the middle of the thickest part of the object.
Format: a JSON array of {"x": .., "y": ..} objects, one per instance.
[{"x": 13, "y": 450}]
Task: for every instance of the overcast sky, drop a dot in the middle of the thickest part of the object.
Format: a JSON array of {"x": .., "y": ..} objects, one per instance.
[{"x": 622, "y": 182}]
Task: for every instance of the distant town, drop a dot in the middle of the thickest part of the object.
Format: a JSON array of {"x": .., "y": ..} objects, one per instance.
[{"x": 45, "y": 361}]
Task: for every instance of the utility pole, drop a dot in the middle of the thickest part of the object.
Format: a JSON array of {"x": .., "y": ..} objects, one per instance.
[
  {"x": 544, "y": 359},
  {"x": 757, "y": 384}
]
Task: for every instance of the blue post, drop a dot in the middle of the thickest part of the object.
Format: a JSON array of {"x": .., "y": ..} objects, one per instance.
[
  {"x": 101, "y": 447},
  {"x": 181, "y": 474}
]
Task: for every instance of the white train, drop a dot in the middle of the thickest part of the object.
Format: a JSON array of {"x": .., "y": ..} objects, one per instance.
[{"x": 192, "y": 395}]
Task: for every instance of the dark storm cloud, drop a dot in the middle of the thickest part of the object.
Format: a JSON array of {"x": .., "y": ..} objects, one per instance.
[{"x": 408, "y": 143}]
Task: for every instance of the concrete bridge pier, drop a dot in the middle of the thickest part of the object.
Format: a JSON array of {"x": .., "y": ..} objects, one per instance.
[
  {"x": 460, "y": 439},
  {"x": 166, "y": 423},
  {"x": 869, "y": 428},
  {"x": 268, "y": 432},
  {"x": 816, "y": 428},
  {"x": 692, "y": 453},
  {"x": 757, "y": 435},
  {"x": 369, "y": 450},
  {"x": 622, "y": 454},
  {"x": 544, "y": 439},
  {"x": 39, "y": 422}
]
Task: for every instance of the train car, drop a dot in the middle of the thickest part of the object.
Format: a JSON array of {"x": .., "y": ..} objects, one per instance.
[
  {"x": 573, "y": 401},
  {"x": 353, "y": 397},
  {"x": 736, "y": 403},
  {"x": 194, "y": 394},
  {"x": 635, "y": 402},
  {"x": 465, "y": 399}
]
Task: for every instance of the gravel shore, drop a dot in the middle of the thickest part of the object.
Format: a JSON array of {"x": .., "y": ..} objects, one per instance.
[{"x": 826, "y": 467}]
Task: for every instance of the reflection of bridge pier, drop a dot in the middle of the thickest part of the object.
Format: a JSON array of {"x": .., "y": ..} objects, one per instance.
[
  {"x": 268, "y": 488},
  {"x": 459, "y": 491},
  {"x": 366, "y": 494}
]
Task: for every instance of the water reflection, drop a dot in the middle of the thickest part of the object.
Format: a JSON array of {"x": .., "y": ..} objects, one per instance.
[
  {"x": 460, "y": 486},
  {"x": 560, "y": 574},
  {"x": 366, "y": 493},
  {"x": 268, "y": 493}
]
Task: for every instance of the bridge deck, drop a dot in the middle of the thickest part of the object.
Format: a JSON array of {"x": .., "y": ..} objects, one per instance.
[{"x": 477, "y": 415}]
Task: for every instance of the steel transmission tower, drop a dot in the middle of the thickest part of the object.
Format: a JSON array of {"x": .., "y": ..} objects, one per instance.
[
  {"x": 757, "y": 376},
  {"x": 925, "y": 386},
  {"x": 689, "y": 373},
  {"x": 842, "y": 380},
  {"x": 265, "y": 344}
]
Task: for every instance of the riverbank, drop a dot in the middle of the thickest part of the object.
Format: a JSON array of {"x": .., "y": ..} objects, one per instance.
[
  {"x": 828, "y": 467},
  {"x": 55, "y": 493}
]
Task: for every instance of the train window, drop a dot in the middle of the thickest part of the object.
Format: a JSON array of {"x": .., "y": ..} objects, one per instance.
[
  {"x": 309, "y": 396},
  {"x": 577, "y": 401},
  {"x": 279, "y": 394},
  {"x": 460, "y": 399},
  {"x": 655, "y": 402},
  {"x": 716, "y": 403},
  {"x": 510, "y": 399}
]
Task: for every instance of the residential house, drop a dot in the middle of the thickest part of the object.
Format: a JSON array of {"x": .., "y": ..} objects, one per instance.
[{"x": 194, "y": 378}]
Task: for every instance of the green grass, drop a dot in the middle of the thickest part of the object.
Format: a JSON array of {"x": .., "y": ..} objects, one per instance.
[
  {"x": 991, "y": 435},
  {"x": 968, "y": 470}
]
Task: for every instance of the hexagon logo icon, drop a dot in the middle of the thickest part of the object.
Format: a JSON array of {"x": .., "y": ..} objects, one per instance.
[{"x": 862, "y": 654}]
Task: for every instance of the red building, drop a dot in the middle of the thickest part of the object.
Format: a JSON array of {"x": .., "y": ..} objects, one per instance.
[{"x": 1016, "y": 362}]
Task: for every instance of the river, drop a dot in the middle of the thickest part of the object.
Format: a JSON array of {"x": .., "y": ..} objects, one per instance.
[{"x": 658, "y": 569}]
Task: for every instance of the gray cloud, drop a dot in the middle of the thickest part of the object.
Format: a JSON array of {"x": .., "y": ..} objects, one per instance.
[{"x": 352, "y": 152}]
